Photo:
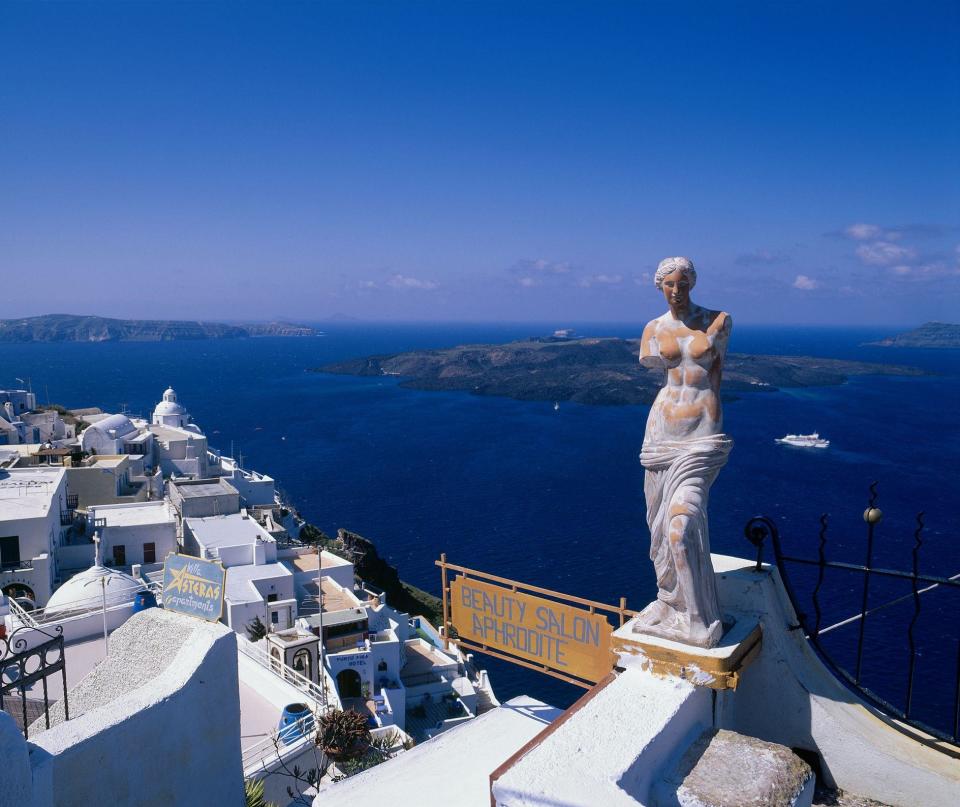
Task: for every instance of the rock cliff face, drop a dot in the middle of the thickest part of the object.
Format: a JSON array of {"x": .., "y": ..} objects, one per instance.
[
  {"x": 370, "y": 567},
  {"x": 73, "y": 328},
  {"x": 931, "y": 334},
  {"x": 592, "y": 371}
]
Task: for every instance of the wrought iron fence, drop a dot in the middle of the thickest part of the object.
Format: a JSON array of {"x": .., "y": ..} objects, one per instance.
[
  {"x": 847, "y": 658},
  {"x": 22, "y": 666}
]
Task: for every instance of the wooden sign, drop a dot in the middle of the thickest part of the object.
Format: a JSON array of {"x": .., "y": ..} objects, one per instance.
[{"x": 571, "y": 640}]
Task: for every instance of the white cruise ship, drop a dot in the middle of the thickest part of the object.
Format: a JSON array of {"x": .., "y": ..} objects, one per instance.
[{"x": 804, "y": 440}]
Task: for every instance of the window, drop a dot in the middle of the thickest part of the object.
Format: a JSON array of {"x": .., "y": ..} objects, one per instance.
[
  {"x": 119, "y": 555},
  {"x": 275, "y": 617},
  {"x": 271, "y": 598},
  {"x": 10, "y": 552},
  {"x": 301, "y": 662},
  {"x": 382, "y": 666},
  {"x": 150, "y": 553}
]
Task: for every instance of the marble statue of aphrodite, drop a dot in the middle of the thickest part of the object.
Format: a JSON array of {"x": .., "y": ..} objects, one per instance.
[{"x": 684, "y": 449}]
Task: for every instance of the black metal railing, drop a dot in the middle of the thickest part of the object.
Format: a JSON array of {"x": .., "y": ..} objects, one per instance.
[
  {"x": 847, "y": 656},
  {"x": 22, "y": 666},
  {"x": 73, "y": 501}
]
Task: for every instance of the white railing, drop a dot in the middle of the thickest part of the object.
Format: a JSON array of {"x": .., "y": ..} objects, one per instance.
[
  {"x": 39, "y": 616},
  {"x": 22, "y": 616},
  {"x": 271, "y": 748},
  {"x": 313, "y": 691}
]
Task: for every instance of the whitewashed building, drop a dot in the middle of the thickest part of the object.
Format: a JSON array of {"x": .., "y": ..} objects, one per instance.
[
  {"x": 200, "y": 498},
  {"x": 112, "y": 479},
  {"x": 143, "y": 533},
  {"x": 169, "y": 412},
  {"x": 257, "y": 584},
  {"x": 256, "y": 489},
  {"x": 109, "y": 435},
  {"x": 33, "y": 506},
  {"x": 180, "y": 452},
  {"x": 20, "y": 400}
]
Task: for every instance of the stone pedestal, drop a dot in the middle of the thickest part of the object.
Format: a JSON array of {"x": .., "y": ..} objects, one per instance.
[
  {"x": 715, "y": 667},
  {"x": 726, "y": 769}
]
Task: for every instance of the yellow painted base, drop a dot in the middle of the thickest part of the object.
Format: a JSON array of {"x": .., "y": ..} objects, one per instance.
[{"x": 717, "y": 667}]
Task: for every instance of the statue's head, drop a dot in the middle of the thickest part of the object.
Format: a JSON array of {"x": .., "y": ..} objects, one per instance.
[{"x": 670, "y": 265}]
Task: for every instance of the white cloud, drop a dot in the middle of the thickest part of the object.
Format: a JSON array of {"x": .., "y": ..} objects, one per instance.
[
  {"x": 540, "y": 266},
  {"x": 601, "y": 280},
  {"x": 527, "y": 282},
  {"x": 399, "y": 281},
  {"x": 925, "y": 271},
  {"x": 862, "y": 232},
  {"x": 805, "y": 283},
  {"x": 883, "y": 253},
  {"x": 644, "y": 279}
]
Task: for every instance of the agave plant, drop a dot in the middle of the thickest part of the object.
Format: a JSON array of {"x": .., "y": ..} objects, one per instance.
[
  {"x": 343, "y": 734},
  {"x": 253, "y": 790}
]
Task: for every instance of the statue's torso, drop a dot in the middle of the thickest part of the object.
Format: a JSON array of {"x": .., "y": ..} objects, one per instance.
[{"x": 688, "y": 406}]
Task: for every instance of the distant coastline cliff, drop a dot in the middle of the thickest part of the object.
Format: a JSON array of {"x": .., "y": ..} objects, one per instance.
[
  {"x": 930, "y": 334},
  {"x": 591, "y": 371},
  {"x": 75, "y": 328}
]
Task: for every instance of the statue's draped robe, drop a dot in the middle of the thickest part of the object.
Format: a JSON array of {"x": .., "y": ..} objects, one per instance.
[{"x": 679, "y": 475}]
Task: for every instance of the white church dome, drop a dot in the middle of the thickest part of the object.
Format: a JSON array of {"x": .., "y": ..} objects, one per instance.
[
  {"x": 170, "y": 412},
  {"x": 168, "y": 408},
  {"x": 84, "y": 591},
  {"x": 115, "y": 426}
]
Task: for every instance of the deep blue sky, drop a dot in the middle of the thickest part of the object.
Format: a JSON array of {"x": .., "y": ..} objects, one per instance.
[{"x": 488, "y": 161}]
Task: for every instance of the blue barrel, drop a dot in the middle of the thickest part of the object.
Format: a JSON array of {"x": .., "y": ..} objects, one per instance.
[
  {"x": 296, "y": 721},
  {"x": 144, "y": 600}
]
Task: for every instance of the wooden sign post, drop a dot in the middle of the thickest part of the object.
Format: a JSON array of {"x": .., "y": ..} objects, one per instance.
[{"x": 554, "y": 634}]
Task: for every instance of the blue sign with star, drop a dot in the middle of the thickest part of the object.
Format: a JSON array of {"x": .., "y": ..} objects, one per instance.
[{"x": 193, "y": 586}]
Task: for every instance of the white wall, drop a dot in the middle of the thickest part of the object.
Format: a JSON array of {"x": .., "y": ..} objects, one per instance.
[
  {"x": 132, "y": 537},
  {"x": 390, "y": 653},
  {"x": 171, "y": 736},
  {"x": 788, "y": 696},
  {"x": 37, "y": 573},
  {"x": 240, "y": 614},
  {"x": 75, "y": 556},
  {"x": 358, "y": 661}
]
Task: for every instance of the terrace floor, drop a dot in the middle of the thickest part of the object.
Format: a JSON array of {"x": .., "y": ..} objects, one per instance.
[
  {"x": 258, "y": 717},
  {"x": 435, "y": 711}
]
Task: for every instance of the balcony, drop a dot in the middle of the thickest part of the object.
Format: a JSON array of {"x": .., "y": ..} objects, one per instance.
[{"x": 356, "y": 643}]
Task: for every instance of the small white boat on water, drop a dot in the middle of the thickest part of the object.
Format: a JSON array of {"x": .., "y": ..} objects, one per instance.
[
  {"x": 556, "y": 406},
  {"x": 804, "y": 440}
]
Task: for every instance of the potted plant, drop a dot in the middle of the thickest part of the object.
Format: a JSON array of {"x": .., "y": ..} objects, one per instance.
[{"x": 343, "y": 734}]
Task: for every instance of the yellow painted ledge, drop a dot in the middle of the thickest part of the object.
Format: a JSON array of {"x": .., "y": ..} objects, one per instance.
[{"x": 717, "y": 667}]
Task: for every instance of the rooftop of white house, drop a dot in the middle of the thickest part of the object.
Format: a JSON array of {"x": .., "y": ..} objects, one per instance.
[
  {"x": 28, "y": 492},
  {"x": 308, "y": 562},
  {"x": 230, "y": 530},
  {"x": 189, "y": 489},
  {"x": 239, "y": 579},
  {"x": 130, "y": 515}
]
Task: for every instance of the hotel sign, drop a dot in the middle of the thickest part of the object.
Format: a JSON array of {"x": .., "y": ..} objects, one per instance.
[
  {"x": 193, "y": 586},
  {"x": 571, "y": 640}
]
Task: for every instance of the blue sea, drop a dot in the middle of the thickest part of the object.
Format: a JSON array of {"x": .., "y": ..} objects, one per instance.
[{"x": 555, "y": 498}]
